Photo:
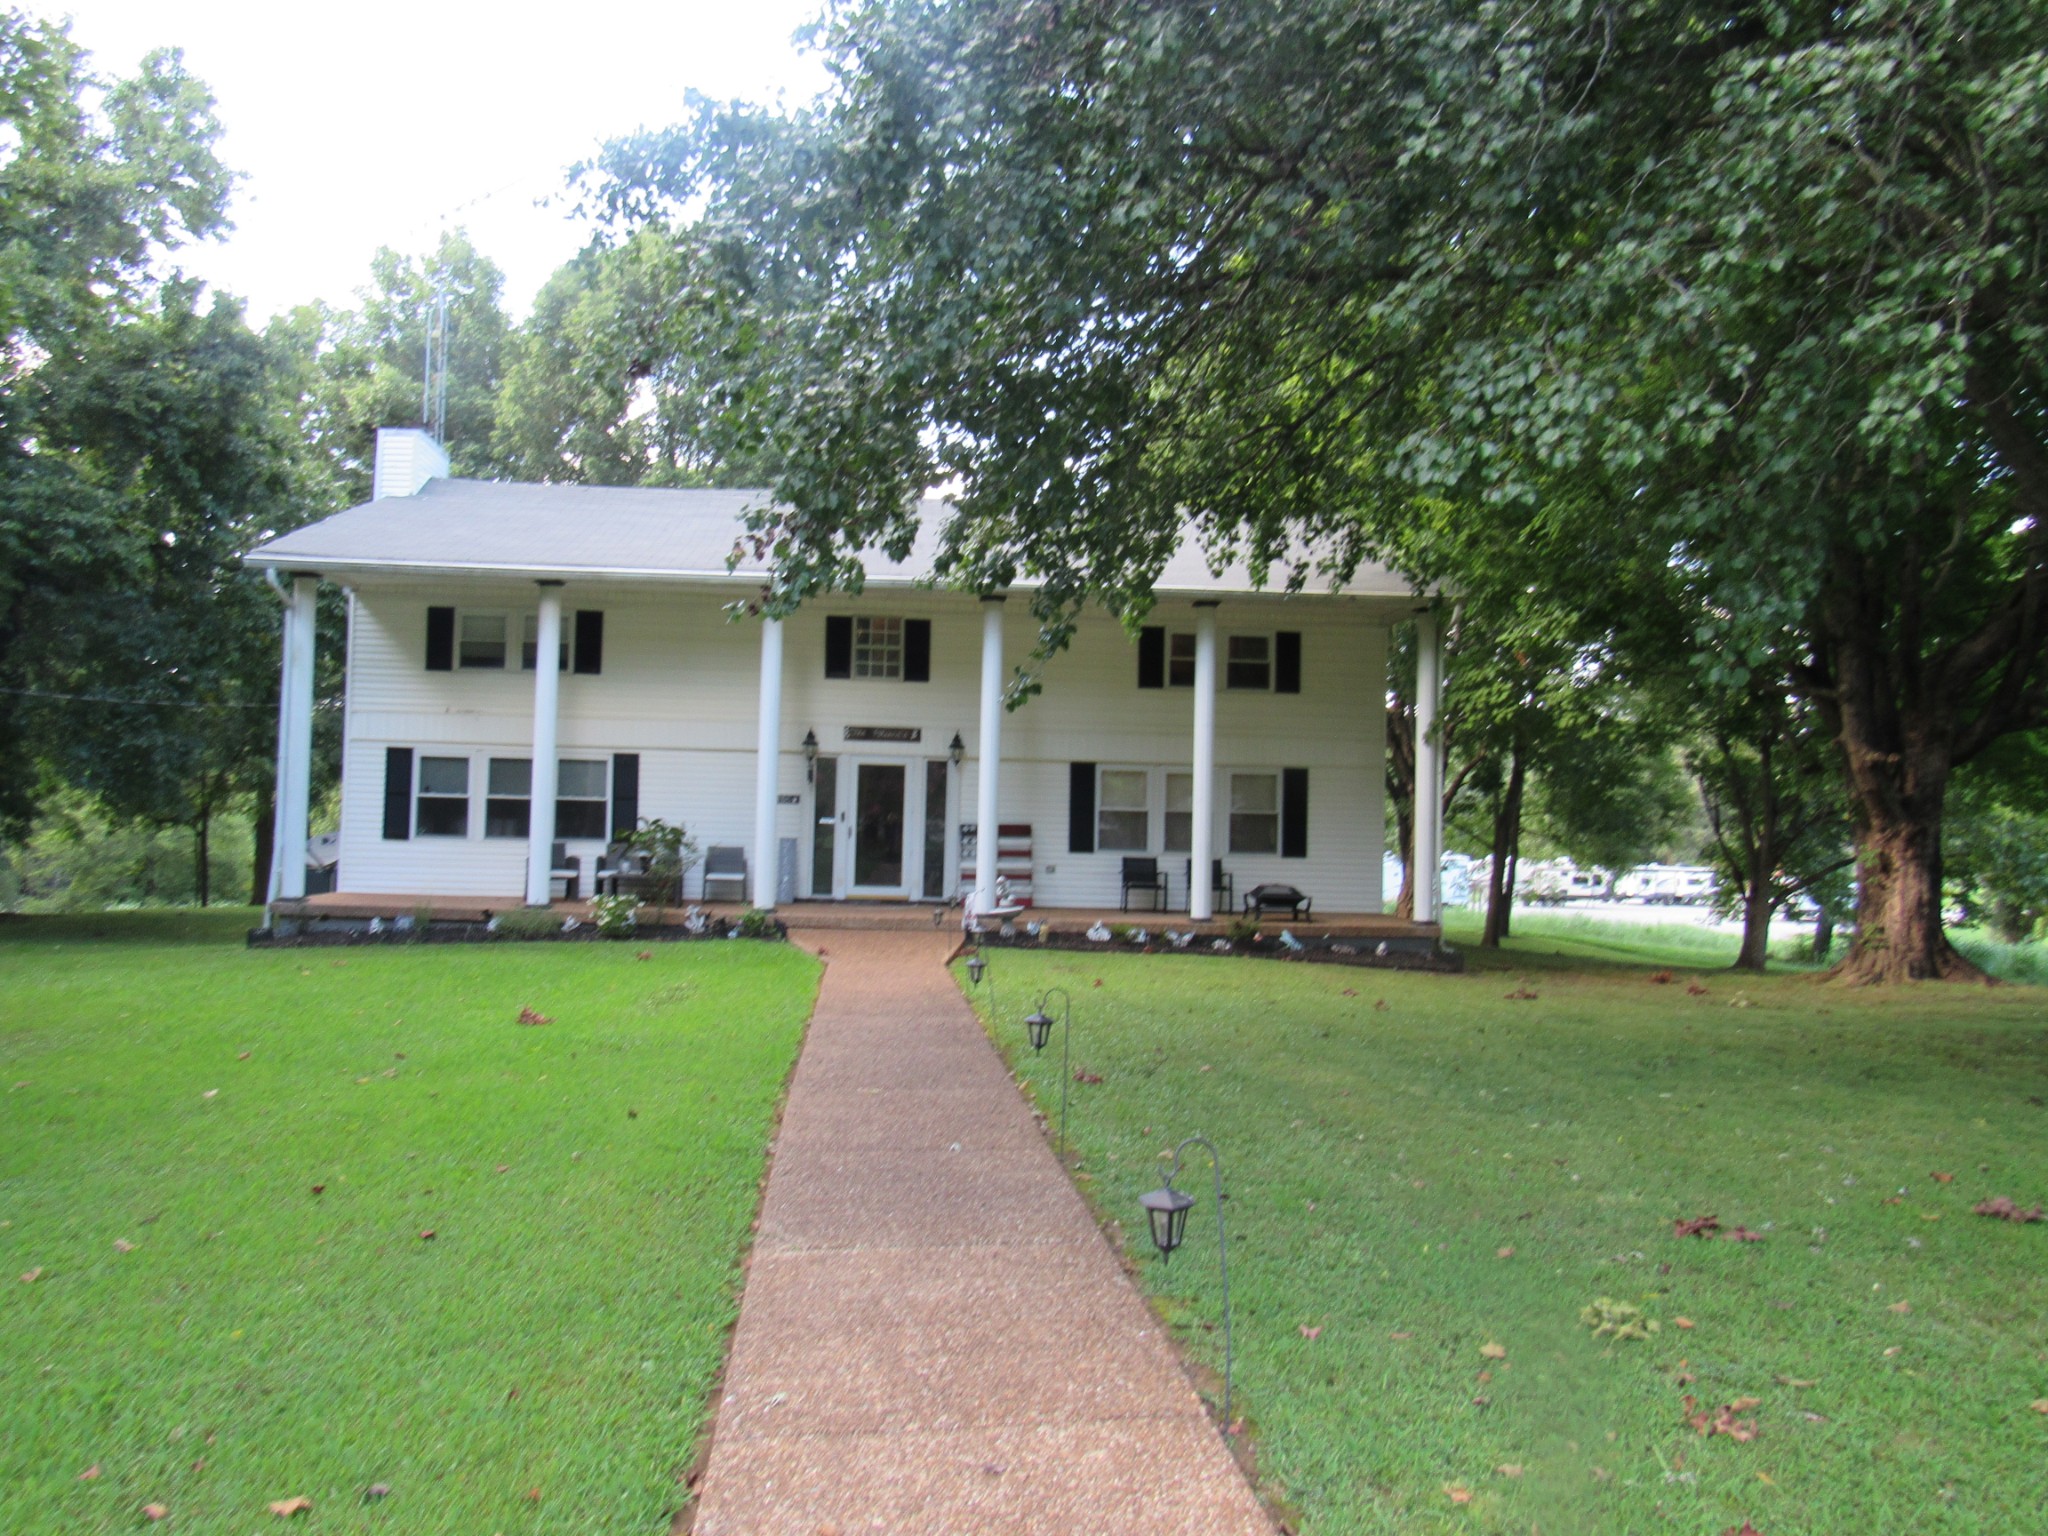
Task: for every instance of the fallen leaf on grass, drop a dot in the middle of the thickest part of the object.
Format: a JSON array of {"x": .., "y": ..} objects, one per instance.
[
  {"x": 1457, "y": 1493},
  {"x": 286, "y": 1508},
  {"x": 1900, "y": 1306},
  {"x": 122, "y": 1245},
  {"x": 1400, "y": 1333},
  {"x": 157, "y": 1511},
  {"x": 1508, "y": 1469},
  {"x": 1494, "y": 1351},
  {"x": 244, "y": 1056},
  {"x": 1098, "y": 981},
  {"x": 2004, "y": 1209},
  {"x": 427, "y": 1236},
  {"x": 1796, "y": 1381},
  {"x": 319, "y": 1189},
  {"x": 2039, "y": 1405},
  {"x": 1311, "y": 1333},
  {"x": 30, "y": 1277},
  {"x": 1743, "y": 1235},
  {"x": 1660, "y": 978},
  {"x": 1694, "y": 989},
  {"x": 376, "y": 1491},
  {"x": 1942, "y": 1178},
  {"x": 1505, "y": 1253},
  {"x": 1724, "y": 1420},
  {"x": 528, "y": 1016},
  {"x": 1895, "y": 1349},
  {"x": 1682, "y": 1322},
  {"x": 89, "y": 1473},
  {"x": 533, "y": 1495},
  {"x": 1699, "y": 1226},
  {"x": 1521, "y": 994},
  {"x": 645, "y": 954},
  {"x": 1744, "y": 1529},
  {"x": 209, "y": 1093},
  {"x": 1082, "y": 1076}
]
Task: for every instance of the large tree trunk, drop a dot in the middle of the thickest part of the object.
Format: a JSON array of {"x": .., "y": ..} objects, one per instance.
[
  {"x": 1823, "y": 934},
  {"x": 1756, "y": 922},
  {"x": 266, "y": 838},
  {"x": 1507, "y": 841},
  {"x": 1898, "y": 731},
  {"x": 1401, "y": 796},
  {"x": 202, "y": 855}
]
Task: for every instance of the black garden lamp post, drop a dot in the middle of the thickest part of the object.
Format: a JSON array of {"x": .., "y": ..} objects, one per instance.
[
  {"x": 1038, "y": 1029},
  {"x": 1166, "y": 1208},
  {"x": 975, "y": 966}
]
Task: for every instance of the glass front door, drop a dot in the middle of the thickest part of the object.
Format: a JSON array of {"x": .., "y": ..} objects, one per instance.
[{"x": 878, "y": 827}]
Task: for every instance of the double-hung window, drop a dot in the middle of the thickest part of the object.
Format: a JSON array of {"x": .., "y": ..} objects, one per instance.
[
  {"x": 580, "y": 798},
  {"x": 481, "y": 641},
  {"x": 529, "y": 644},
  {"x": 1249, "y": 663},
  {"x": 1180, "y": 660},
  {"x": 443, "y": 800},
  {"x": 877, "y": 647},
  {"x": 1255, "y": 813},
  {"x": 1180, "y": 812},
  {"x": 1123, "y": 816},
  {"x": 508, "y": 797}
]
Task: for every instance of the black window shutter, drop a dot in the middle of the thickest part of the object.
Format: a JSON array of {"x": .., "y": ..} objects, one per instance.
[
  {"x": 1293, "y": 813},
  {"x": 398, "y": 790},
  {"x": 590, "y": 640},
  {"x": 1080, "y": 808},
  {"x": 1287, "y": 661},
  {"x": 625, "y": 792},
  {"x": 1152, "y": 657},
  {"x": 917, "y": 650},
  {"x": 839, "y": 646},
  {"x": 440, "y": 639}
]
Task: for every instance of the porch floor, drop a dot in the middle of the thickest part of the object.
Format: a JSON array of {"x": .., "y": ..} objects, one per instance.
[{"x": 898, "y": 915}]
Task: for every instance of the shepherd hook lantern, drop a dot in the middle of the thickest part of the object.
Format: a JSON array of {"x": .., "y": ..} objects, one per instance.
[
  {"x": 975, "y": 966},
  {"x": 810, "y": 757},
  {"x": 1038, "y": 1026},
  {"x": 1167, "y": 1209}
]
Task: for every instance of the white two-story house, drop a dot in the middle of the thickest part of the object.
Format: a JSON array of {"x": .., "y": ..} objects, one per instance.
[{"x": 532, "y": 664}]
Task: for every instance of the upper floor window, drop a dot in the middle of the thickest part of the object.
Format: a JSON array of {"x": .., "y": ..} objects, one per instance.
[
  {"x": 1180, "y": 661},
  {"x": 877, "y": 647},
  {"x": 481, "y": 640},
  {"x": 1249, "y": 662},
  {"x": 529, "y": 644}
]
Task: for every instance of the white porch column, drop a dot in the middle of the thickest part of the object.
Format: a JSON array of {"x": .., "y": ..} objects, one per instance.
[
  {"x": 1202, "y": 830},
  {"x": 988, "y": 754},
  {"x": 767, "y": 763},
  {"x": 295, "y": 740},
  {"x": 547, "y": 698},
  {"x": 1429, "y": 777}
]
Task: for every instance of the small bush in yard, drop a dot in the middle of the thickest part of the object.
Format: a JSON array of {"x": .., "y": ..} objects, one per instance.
[
  {"x": 615, "y": 916},
  {"x": 526, "y": 923}
]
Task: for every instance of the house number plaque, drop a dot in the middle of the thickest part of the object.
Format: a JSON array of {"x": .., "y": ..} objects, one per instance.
[{"x": 884, "y": 733}]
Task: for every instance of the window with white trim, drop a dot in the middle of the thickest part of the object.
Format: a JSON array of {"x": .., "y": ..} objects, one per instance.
[
  {"x": 1255, "y": 813},
  {"x": 1180, "y": 661},
  {"x": 480, "y": 640},
  {"x": 1123, "y": 810},
  {"x": 1180, "y": 812},
  {"x": 1249, "y": 663},
  {"x": 442, "y": 800},
  {"x": 529, "y": 644},
  {"x": 877, "y": 647},
  {"x": 508, "y": 797},
  {"x": 581, "y": 788}
]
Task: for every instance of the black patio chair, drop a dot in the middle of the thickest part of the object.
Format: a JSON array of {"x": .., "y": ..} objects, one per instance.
[
  {"x": 1221, "y": 883},
  {"x": 1143, "y": 875}
]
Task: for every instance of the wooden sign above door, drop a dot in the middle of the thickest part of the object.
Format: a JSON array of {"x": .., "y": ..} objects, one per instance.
[{"x": 884, "y": 733}]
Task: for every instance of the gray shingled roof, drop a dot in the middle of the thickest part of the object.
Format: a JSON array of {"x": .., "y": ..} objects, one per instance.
[{"x": 489, "y": 527}]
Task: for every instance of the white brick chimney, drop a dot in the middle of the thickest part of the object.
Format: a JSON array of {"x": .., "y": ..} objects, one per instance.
[{"x": 407, "y": 458}]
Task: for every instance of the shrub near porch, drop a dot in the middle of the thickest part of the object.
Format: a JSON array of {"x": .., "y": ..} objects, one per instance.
[
  {"x": 225, "y": 1166},
  {"x": 1421, "y": 1167}
]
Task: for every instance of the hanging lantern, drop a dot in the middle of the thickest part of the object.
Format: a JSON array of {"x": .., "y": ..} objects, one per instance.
[
  {"x": 975, "y": 966},
  {"x": 1167, "y": 1209},
  {"x": 1039, "y": 1027}
]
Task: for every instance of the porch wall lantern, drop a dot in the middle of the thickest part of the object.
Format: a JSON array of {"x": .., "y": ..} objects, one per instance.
[
  {"x": 1038, "y": 1029},
  {"x": 1166, "y": 1209},
  {"x": 810, "y": 757},
  {"x": 955, "y": 750}
]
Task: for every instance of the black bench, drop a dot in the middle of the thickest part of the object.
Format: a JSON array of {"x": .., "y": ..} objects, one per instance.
[{"x": 1277, "y": 898}]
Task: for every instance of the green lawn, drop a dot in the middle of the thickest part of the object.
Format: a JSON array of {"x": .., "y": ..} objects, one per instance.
[
  {"x": 1420, "y": 1166},
  {"x": 225, "y": 1165}
]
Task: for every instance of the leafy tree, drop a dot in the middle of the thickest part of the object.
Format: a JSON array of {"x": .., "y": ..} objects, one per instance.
[
  {"x": 1999, "y": 838},
  {"x": 103, "y": 180},
  {"x": 370, "y": 361},
  {"x": 1765, "y": 277}
]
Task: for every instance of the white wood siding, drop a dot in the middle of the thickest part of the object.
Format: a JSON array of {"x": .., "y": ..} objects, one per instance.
[{"x": 680, "y": 687}]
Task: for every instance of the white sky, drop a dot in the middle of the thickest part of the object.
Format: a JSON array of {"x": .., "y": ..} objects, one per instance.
[{"x": 376, "y": 123}]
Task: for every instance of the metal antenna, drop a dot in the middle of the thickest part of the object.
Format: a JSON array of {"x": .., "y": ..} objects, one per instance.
[{"x": 434, "y": 367}]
